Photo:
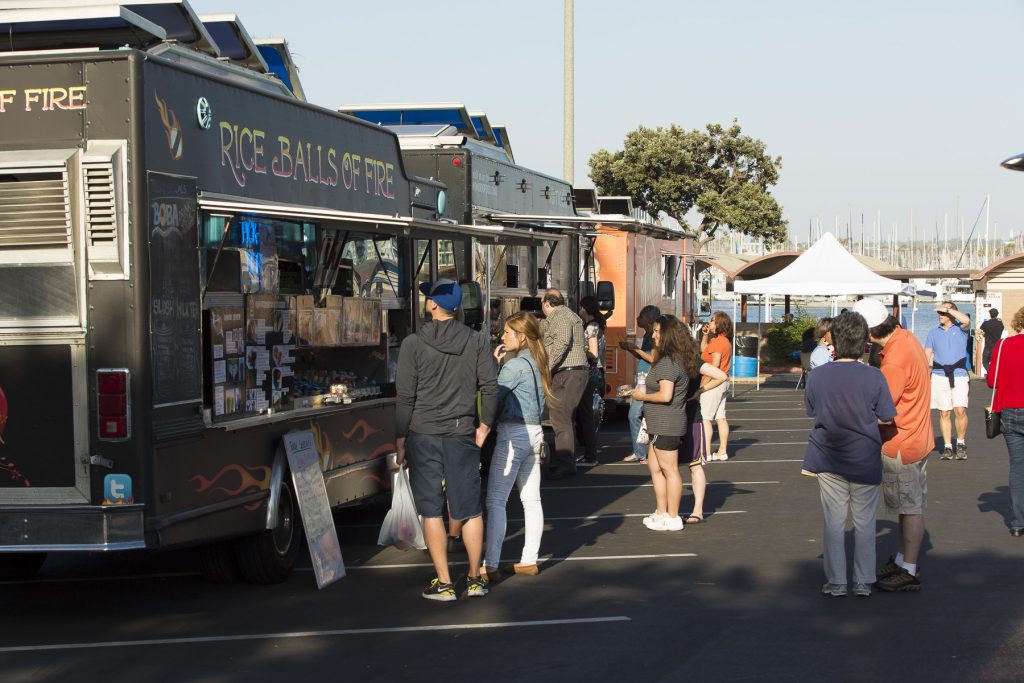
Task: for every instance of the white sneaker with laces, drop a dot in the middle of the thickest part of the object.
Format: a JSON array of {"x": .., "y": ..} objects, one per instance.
[
  {"x": 666, "y": 523},
  {"x": 653, "y": 519}
]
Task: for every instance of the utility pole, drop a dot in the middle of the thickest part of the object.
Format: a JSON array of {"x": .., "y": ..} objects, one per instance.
[
  {"x": 988, "y": 207},
  {"x": 568, "y": 132}
]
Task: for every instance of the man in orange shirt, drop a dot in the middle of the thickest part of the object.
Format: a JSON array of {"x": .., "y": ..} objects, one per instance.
[{"x": 906, "y": 443}]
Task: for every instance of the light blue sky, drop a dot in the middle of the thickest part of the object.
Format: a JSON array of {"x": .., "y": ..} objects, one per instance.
[{"x": 890, "y": 106}]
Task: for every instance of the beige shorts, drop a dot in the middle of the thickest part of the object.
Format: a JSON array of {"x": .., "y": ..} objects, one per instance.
[
  {"x": 712, "y": 403},
  {"x": 905, "y": 487},
  {"x": 946, "y": 398}
]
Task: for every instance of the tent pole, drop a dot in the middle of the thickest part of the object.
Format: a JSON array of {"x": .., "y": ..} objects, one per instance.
[
  {"x": 757, "y": 354},
  {"x": 732, "y": 359}
]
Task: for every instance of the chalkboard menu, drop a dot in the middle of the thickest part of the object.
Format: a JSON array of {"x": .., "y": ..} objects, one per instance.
[{"x": 174, "y": 319}]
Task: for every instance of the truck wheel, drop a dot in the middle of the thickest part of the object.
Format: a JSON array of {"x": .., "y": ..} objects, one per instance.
[
  {"x": 18, "y": 566},
  {"x": 269, "y": 556},
  {"x": 217, "y": 562}
]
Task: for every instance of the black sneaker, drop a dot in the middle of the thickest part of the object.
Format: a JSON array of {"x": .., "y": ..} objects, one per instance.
[
  {"x": 900, "y": 582},
  {"x": 476, "y": 586},
  {"x": 888, "y": 569},
  {"x": 442, "y": 592},
  {"x": 947, "y": 453},
  {"x": 587, "y": 461},
  {"x": 961, "y": 451}
]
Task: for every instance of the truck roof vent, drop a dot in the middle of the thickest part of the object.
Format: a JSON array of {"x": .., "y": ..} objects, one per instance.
[{"x": 35, "y": 211}]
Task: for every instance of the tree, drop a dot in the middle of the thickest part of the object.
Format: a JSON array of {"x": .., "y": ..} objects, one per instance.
[{"x": 723, "y": 174}]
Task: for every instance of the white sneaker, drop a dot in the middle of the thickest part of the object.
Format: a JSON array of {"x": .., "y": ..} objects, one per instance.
[
  {"x": 654, "y": 519},
  {"x": 666, "y": 523}
]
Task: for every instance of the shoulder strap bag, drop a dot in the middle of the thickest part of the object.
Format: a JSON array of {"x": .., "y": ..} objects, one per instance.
[
  {"x": 993, "y": 424},
  {"x": 544, "y": 451}
]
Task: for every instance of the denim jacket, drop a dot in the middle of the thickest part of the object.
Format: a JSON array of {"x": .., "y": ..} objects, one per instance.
[{"x": 520, "y": 390}]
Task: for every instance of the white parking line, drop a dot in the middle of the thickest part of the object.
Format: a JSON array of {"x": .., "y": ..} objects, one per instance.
[
  {"x": 308, "y": 634},
  {"x": 541, "y": 560},
  {"x": 737, "y": 461},
  {"x": 616, "y": 515},
  {"x": 588, "y": 518},
  {"x": 112, "y": 577},
  {"x": 638, "y": 486}
]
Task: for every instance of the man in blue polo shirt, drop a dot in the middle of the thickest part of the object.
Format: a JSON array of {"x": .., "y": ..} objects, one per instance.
[{"x": 946, "y": 351}]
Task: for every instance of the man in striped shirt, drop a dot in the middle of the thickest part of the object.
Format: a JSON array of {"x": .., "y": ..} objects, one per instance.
[{"x": 567, "y": 358}]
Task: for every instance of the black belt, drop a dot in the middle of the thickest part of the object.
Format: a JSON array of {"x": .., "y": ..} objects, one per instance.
[
  {"x": 948, "y": 369},
  {"x": 572, "y": 367}
]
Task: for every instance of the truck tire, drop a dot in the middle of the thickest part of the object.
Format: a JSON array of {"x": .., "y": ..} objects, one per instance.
[
  {"x": 18, "y": 566},
  {"x": 218, "y": 563},
  {"x": 269, "y": 556}
]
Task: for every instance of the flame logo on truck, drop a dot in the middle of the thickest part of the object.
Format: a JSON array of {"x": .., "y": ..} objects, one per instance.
[
  {"x": 172, "y": 129},
  {"x": 3, "y": 413},
  {"x": 6, "y": 466}
]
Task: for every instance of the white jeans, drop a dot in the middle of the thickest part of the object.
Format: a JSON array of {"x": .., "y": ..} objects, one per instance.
[{"x": 516, "y": 461}]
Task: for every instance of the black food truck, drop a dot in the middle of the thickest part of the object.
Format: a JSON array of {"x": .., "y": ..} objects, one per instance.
[
  {"x": 535, "y": 239},
  {"x": 193, "y": 262}
]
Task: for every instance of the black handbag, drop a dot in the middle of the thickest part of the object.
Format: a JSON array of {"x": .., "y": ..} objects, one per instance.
[{"x": 993, "y": 423}]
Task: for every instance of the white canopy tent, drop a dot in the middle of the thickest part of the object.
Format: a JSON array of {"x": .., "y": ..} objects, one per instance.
[{"x": 825, "y": 269}]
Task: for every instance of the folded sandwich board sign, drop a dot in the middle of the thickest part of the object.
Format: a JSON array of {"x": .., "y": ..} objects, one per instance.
[{"x": 308, "y": 482}]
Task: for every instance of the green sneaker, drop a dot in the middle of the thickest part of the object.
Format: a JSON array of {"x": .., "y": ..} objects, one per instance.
[
  {"x": 476, "y": 586},
  {"x": 442, "y": 592}
]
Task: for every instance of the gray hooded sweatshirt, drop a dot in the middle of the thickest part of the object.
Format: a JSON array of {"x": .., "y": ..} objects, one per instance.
[{"x": 440, "y": 370}]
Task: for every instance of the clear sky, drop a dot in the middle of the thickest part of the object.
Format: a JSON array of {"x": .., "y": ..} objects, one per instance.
[{"x": 891, "y": 106}]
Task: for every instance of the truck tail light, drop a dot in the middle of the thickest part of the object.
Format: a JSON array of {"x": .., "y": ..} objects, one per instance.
[{"x": 112, "y": 402}]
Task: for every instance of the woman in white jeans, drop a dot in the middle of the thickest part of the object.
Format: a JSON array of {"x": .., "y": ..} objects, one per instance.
[{"x": 524, "y": 382}]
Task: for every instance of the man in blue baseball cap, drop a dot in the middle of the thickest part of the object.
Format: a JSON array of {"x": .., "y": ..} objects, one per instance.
[{"x": 440, "y": 370}]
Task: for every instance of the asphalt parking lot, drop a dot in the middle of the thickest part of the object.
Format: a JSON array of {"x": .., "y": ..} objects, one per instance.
[{"x": 734, "y": 598}]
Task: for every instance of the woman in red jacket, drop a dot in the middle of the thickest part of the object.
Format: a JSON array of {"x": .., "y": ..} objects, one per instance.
[{"x": 1007, "y": 367}]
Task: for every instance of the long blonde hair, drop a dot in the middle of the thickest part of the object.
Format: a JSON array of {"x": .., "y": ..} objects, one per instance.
[{"x": 526, "y": 324}]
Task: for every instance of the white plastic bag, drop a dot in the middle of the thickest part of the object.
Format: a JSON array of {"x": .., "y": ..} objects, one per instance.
[
  {"x": 643, "y": 437},
  {"x": 403, "y": 527}
]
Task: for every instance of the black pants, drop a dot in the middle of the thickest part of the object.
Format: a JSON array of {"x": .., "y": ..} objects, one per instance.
[
  {"x": 566, "y": 388},
  {"x": 586, "y": 431}
]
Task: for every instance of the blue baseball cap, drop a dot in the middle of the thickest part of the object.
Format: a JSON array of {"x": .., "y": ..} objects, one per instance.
[{"x": 445, "y": 293}]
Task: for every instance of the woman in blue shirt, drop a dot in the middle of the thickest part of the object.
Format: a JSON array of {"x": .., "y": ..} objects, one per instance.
[
  {"x": 822, "y": 352},
  {"x": 524, "y": 382}
]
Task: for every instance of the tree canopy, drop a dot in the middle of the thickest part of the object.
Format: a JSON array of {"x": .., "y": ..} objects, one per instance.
[{"x": 725, "y": 175}]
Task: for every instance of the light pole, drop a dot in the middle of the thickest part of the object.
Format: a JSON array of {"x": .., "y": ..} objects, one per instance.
[{"x": 567, "y": 95}]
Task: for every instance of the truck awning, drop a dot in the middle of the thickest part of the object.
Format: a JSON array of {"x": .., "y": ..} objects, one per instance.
[
  {"x": 592, "y": 221},
  {"x": 227, "y": 204}
]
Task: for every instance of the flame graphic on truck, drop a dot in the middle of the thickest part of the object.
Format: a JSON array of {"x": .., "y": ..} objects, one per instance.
[
  {"x": 172, "y": 129},
  {"x": 6, "y": 465}
]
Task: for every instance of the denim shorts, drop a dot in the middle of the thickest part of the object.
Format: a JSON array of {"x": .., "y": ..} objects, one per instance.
[
  {"x": 444, "y": 466},
  {"x": 905, "y": 487}
]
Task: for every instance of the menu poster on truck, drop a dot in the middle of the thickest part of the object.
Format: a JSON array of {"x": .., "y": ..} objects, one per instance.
[
  {"x": 226, "y": 354},
  {"x": 269, "y": 351},
  {"x": 311, "y": 493},
  {"x": 175, "y": 330}
]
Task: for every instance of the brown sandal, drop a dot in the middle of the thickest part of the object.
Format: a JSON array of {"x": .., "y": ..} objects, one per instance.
[{"x": 693, "y": 519}]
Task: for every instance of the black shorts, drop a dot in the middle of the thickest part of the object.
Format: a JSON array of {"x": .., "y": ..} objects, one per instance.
[
  {"x": 454, "y": 460},
  {"x": 666, "y": 443}
]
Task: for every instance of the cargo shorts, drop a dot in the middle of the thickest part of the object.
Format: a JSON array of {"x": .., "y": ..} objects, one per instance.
[{"x": 905, "y": 487}]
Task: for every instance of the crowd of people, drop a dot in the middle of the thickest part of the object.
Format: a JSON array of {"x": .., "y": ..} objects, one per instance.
[
  {"x": 871, "y": 434},
  {"x": 860, "y": 410}
]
